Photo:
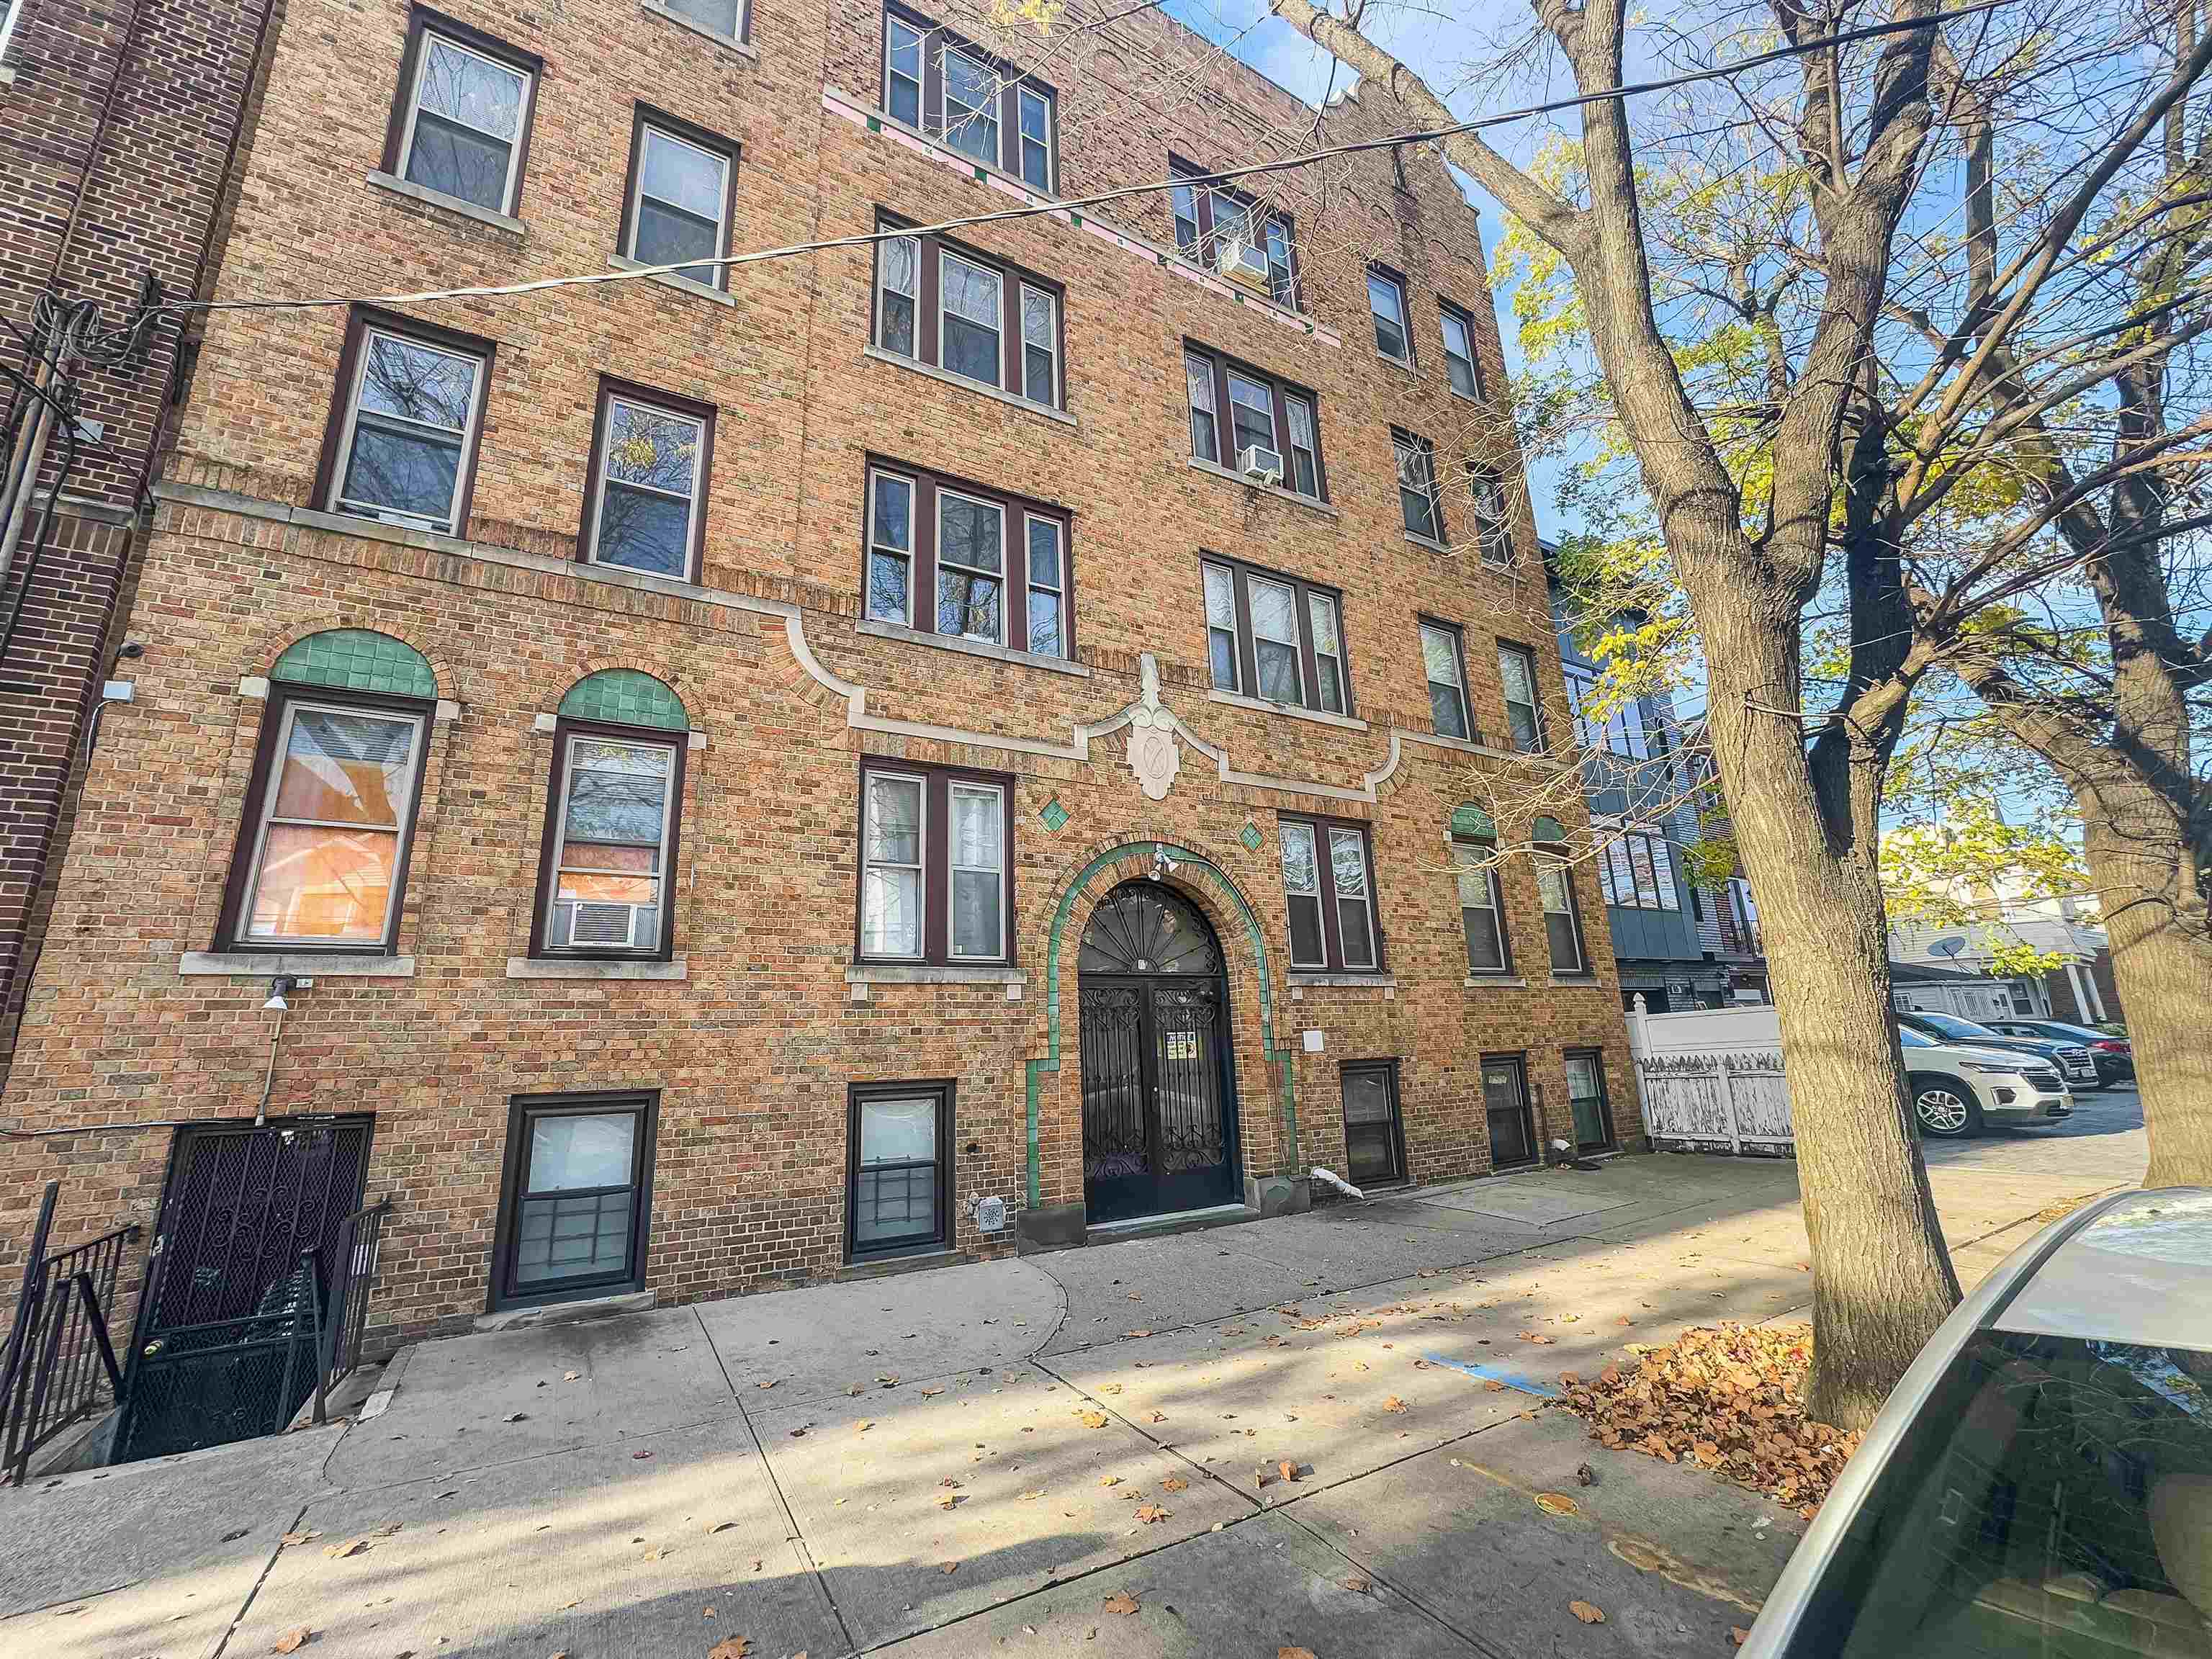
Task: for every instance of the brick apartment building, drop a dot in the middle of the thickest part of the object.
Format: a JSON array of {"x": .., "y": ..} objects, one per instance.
[
  {"x": 753, "y": 763},
  {"x": 118, "y": 119}
]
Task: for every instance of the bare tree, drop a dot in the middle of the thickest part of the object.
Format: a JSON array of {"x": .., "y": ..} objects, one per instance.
[{"x": 1857, "y": 123}]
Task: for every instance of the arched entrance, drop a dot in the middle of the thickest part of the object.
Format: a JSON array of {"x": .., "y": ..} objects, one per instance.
[{"x": 1159, "y": 1096}]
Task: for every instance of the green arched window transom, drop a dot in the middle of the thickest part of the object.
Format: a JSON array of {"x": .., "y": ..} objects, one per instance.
[
  {"x": 625, "y": 696},
  {"x": 356, "y": 659},
  {"x": 1471, "y": 823},
  {"x": 1548, "y": 830}
]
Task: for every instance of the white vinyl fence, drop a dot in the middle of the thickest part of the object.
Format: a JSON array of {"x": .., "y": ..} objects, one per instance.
[{"x": 1711, "y": 1079}]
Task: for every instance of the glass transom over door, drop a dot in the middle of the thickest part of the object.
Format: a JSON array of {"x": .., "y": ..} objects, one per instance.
[{"x": 578, "y": 1202}]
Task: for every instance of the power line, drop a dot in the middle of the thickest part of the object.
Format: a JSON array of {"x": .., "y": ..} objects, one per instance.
[{"x": 1310, "y": 158}]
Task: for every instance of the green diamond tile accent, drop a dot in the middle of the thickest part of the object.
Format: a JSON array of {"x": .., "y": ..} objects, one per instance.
[
  {"x": 1472, "y": 822},
  {"x": 1075, "y": 219},
  {"x": 625, "y": 696},
  {"x": 355, "y": 659},
  {"x": 1055, "y": 815},
  {"x": 874, "y": 126},
  {"x": 1548, "y": 830},
  {"x": 1252, "y": 838},
  {"x": 979, "y": 174}
]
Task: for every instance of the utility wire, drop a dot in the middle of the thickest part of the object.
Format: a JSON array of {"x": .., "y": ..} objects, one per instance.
[{"x": 1077, "y": 203}]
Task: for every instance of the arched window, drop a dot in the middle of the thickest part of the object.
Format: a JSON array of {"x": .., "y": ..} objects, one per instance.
[
  {"x": 616, "y": 793},
  {"x": 1481, "y": 898},
  {"x": 322, "y": 857}
]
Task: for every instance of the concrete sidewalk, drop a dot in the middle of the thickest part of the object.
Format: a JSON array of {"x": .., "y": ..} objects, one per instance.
[{"x": 1032, "y": 1456}]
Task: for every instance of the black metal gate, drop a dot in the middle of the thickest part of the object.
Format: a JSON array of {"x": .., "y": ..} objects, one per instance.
[
  {"x": 1158, "y": 1119},
  {"x": 253, "y": 1222}
]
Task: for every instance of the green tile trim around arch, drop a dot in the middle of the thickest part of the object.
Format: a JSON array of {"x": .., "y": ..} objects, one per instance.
[
  {"x": 356, "y": 659},
  {"x": 1195, "y": 866},
  {"x": 625, "y": 696}
]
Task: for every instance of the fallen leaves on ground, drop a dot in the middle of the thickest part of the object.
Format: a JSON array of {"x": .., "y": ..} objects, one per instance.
[
  {"x": 1123, "y": 1604},
  {"x": 1149, "y": 1513},
  {"x": 1493, "y": 1386},
  {"x": 1588, "y": 1614},
  {"x": 1729, "y": 1398},
  {"x": 570, "y": 1377},
  {"x": 1739, "y": 1635},
  {"x": 293, "y": 1640},
  {"x": 1173, "y": 1483},
  {"x": 735, "y": 1647},
  {"x": 351, "y": 1547},
  {"x": 1294, "y": 1653},
  {"x": 1394, "y": 1405},
  {"x": 1093, "y": 1419},
  {"x": 1110, "y": 1479}
]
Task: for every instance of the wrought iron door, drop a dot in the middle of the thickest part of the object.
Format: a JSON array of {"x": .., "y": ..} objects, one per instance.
[
  {"x": 214, "y": 1358},
  {"x": 1158, "y": 1114}
]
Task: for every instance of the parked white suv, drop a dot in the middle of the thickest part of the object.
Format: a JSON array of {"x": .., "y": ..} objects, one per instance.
[{"x": 1957, "y": 1088}]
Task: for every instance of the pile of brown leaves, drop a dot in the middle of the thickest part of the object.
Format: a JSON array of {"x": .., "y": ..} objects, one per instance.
[{"x": 1731, "y": 1400}]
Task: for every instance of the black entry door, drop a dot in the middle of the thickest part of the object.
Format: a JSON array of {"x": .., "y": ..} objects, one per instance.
[
  {"x": 1505, "y": 1097},
  {"x": 218, "y": 1354},
  {"x": 1158, "y": 1114}
]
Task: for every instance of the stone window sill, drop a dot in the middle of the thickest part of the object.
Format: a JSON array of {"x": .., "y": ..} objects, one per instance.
[
  {"x": 301, "y": 964},
  {"x": 1398, "y": 364},
  {"x": 670, "y": 279},
  {"x": 585, "y": 968},
  {"x": 883, "y": 630},
  {"x": 1574, "y": 979},
  {"x": 1280, "y": 493},
  {"x": 438, "y": 198},
  {"x": 919, "y": 973},
  {"x": 1490, "y": 979},
  {"x": 744, "y": 49},
  {"x": 1260, "y": 705},
  {"x": 1428, "y": 542},
  {"x": 1346, "y": 981},
  {"x": 914, "y": 365}
]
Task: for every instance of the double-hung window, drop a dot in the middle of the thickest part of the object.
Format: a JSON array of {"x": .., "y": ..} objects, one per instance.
[
  {"x": 1263, "y": 412},
  {"x": 1386, "y": 301},
  {"x": 1275, "y": 637},
  {"x": 1493, "y": 526},
  {"x": 647, "y": 506},
  {"x": 1328, "y": 884},
  {"x": 1516, "y": 673},
  {"x": 1417, "y": 487},
  {"x": 1481, "y": 908},
  {"x": 898, "y": 1196},
  {"x": 936, "y": 863},
  {"x": 462, "y": 127},
  {"x": 404, "y": 450},
  {"x": 980, "y": 319},
  {"x": 1226, "y": 230},
  {"x": 1459, "y": 350},
  {"x": 1563, "y": 926},
  {"x": 981, "y": 105},
  {"x": 576, "y": 1197},
  {"x": 985, "y": 566},
  {"x": 1443, "y": 659},
  {"x": 611, "y": 842},
  {"x": 726, "y": 20},
  {"x": 681, "y": 183},
  {"x": 326, "y": 843}
]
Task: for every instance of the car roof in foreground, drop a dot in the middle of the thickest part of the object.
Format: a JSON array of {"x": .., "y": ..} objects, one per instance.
[{"x": 2141, "y": 1272}]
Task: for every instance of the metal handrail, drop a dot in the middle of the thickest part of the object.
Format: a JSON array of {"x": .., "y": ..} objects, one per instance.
[{"x": 47, "y": 1380}]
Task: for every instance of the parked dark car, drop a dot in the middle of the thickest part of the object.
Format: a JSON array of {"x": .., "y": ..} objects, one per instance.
[
  {"x": 2115, "y": 1056},
  {"x": 2072, "y": 1058}
]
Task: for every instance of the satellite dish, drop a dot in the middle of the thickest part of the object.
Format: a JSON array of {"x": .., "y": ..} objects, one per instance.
[{"x": 1949, "y": 946}]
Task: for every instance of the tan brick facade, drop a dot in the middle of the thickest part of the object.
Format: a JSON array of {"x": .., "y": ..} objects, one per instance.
[{"x": 753, "y": 1051}]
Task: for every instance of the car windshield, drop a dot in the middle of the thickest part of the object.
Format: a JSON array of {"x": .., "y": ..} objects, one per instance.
[
  {"x": 2058, "y": 1031},
  {"x": 2052, "y": 1498},
  {"x": 1962, "y": 1029}
]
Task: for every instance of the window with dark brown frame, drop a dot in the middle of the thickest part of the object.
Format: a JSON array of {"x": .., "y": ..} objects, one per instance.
[
  {"x": 936, "y": 865},
  {"x": 985, "y": 107},
  {"x": 1275, "y": 637},
  {"x": 1328, "y": 884},
  {"x": 1461, "y": 365},
  {"x": 1493, "y": 523},
  {"x": 1418, "y": 500},
  {"x": 1236, "y": 234},
  {"x": 944, "y": 556},
  {"x": 645, "y": 494},
  {"x": 1481, "y": 908},
  {"x": 613, "y": 809},
  {"x": 1524, "y": 713},
  {"x": 461, "y": 116},
  {"x": 898, "y": 1177},
  {"x": 321, "y": 858},
  {"x": 681, "y": 198},
  {"x": 1444, "y": 661},
  {"x": 1386, "y": 303},
  {"x": 1563, "y": 918},
  {"x": 1234, "y": 407},
  {"x": 954, "y": 308},
  {"x": 405, "y": 418},
  {"x": 575, "y": 1197},
  {"x": 1374, "y": 1134},
  {"x": 1587, "y": 1105}
]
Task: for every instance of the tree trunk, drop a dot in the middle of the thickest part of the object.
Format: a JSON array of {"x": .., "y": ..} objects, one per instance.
[
  {"x": 1882, "y": 1279},
  {"x": 2135, "y": 847}
]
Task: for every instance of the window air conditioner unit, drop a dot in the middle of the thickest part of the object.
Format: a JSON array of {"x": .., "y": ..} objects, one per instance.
[
  {"x": 1241, "y": 262},
  {"x": 603, "y": 924},
  {"x": 1259, "y": 465}
]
